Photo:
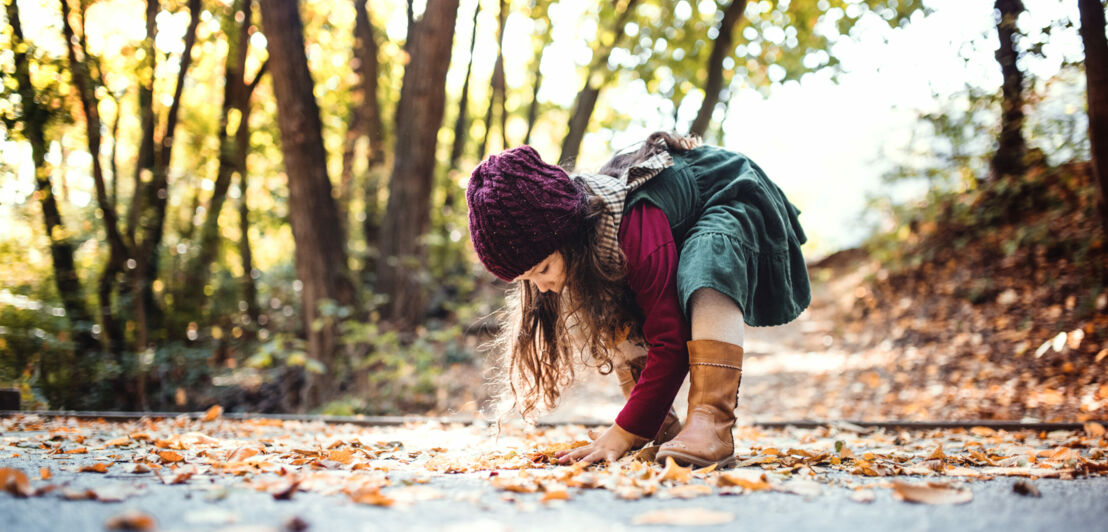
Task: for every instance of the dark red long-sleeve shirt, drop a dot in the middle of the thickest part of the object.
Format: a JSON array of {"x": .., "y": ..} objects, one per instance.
[{"x": 651, "y": 252}]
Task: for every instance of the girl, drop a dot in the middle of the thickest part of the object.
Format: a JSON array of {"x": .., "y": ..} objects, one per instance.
[{"x": 665, "y": 253}]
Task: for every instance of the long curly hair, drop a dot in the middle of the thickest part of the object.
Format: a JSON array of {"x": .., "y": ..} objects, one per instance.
[{"x": 595, "y": 311}]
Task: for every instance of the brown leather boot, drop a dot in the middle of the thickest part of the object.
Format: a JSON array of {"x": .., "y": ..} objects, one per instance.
[
  {"x": 628, "y": 375},
  {"x": 715, "y": 369}
]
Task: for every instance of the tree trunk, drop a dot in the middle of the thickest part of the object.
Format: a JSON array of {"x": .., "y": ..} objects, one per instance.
[
  {"x": 461, "y": 132},
  {"x": 157, "y": 196},
  {"x": 118, "y": 247},
  {"x": 722, "y": 47},
  {"x": 1009, "y": 157},
  {"x": 1096, "y": 76},
  {"x": 320, "y": 254},
  {"x": 365, "y": 114},
  {"x": 418, "y": 119},
  {"x": 595, "y": 78},
  {"x": 34, "y": 119},
  {"x": 235, "y": 100},
  {"x": 498, "y": 85},
  {"x": 533, "y": 109}
]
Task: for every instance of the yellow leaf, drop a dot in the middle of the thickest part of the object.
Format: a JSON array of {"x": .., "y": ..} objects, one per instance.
[{"x": 170, "y": 456}]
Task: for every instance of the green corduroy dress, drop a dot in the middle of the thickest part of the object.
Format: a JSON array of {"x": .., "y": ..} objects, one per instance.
[{"x": 736, "y": 232}]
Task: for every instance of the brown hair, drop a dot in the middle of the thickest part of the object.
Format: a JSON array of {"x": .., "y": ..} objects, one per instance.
[{"x": 595, "y": 310}]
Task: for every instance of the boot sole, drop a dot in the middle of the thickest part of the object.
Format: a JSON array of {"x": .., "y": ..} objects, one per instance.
[{"x": 684, "y": 459}]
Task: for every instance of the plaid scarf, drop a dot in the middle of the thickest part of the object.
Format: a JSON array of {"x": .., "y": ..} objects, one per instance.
[{"x": 614, "y": 192}]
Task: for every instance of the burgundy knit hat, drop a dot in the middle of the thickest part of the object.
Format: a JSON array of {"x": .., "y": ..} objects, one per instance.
[{"x": 521, "y": 210}]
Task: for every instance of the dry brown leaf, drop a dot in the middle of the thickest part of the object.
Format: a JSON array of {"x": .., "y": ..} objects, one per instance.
[
  {"x": 342, "y": 456},
  {"x": 44, "y": 473},
  {"x": 1026, "y": 489},
  {"x": 213, "y": 413},
  {"x": 931, "y": 493},
  {"x": 684, "y": 517},
  {"x": 748, "y": 480},
  {"x": 555, "y": 493},
  {"x": 118, "y": 442},
  {"x": 79, "y": 450},
  {"x": 98, "y": 467},
  {"x": 371, "y": 496},
  {"x": 675, "y": 472},
  {"x": 15, "y": 482},
  {"x": 283, "y": 491},
  {"x": 170, "y": 456},
  {"x": 131, "y": 520},
  {"x": 242, "y": 453},
  {"x": 1094, "y": 429},
  {"x": 140, "y": 468}
]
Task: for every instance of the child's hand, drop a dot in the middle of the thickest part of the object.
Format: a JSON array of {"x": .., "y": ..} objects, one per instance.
[{"x": 610, "y": 446}]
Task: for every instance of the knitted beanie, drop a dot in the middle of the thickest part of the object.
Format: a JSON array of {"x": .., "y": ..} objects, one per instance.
[{"x": 521, "y": 210}]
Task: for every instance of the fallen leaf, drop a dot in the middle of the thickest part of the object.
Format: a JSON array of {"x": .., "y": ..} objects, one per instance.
[
  {"x": 748, "y": 480},
  {"x": 1094, "y": 429},
  {"x": 675, "y": 472},
  {"x": 131, "y": 520},
  {"x": 140, "y": 468},
  {"x": 342, "y": 456},
  {"x": 44, "y": 473},
  {"x": 931, "y": 493},
  {"x": 98, "y": 467},
  {"x": 118, "y": 442},
  {"x": 170, "y": 456},
  {"x": 213, "y": 413},
  {"x": 371, "y": 496},
  {"x": 15, "y": 482},
  {"x": 242, "y": 453},
  {"x": 283, "y": 490},
  {"x": 1026, "y": 489},
  {"x": 684, "y": 517}
]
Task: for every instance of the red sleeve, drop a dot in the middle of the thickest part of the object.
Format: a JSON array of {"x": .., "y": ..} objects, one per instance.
[{"x": 647, "y": 241}]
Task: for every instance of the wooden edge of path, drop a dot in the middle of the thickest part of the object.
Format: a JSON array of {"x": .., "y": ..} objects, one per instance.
[{"x": 384, "y": 421}]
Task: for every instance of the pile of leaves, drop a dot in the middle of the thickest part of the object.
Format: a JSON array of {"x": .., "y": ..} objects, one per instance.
[
  {"x": 985, "y": 304},
  {"x": 390, "y": 466}
]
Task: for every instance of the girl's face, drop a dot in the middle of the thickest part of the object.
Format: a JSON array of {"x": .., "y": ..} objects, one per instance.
[{"x": 549, "y": 275}]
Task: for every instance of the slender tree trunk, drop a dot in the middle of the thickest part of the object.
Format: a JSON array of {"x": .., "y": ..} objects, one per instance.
[
  {"x": 418, "y": 119},
  {"x": 496, "y": 97},
  {"x": 197, "y": 273},
  {"x": 461, "y": 122},
  {"x": 118, "y": 248},
  {"x": 144, "y": 165},
  {"x": 157, "y": 194},
  {"x": 595, "y": 78},
  {"x": 533, "y": 109},
  {"x": 242, "y": 149},
  {"x": 320, "y": 253},
  {"x": 1009, "y": 157},
  {"x": 365, "y": 111},
  {"x": 722, "y": 47},
  {"x": 1096, "y": 76},
  {"x": 34, "y": 118}
]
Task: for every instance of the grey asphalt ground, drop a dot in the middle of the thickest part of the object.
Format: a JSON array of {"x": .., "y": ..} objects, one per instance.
[{"x": 470, "y": 503}]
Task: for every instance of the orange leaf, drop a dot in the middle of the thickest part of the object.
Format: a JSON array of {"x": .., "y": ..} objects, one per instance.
[
  {"x": 44, "y": 473},
  {"x": 213, "y": 413},
  {"x": 98, "y": 467},
  {"x": 131, "y": 520},
  {"x": 118, "y": 442},
  {"x": 341, "y": 456},
  {"x": 675, "y": 472},
  {"x": 170, "y": 456},
  {"x": 79, "y": 450},
  {"x": 1094, "y": 429},
  {"x": 371, "y": 496},
  {"x": 15, "y": 482}
]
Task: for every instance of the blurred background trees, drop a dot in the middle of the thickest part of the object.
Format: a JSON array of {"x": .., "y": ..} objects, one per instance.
[{"x": 261, "y": 203}]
